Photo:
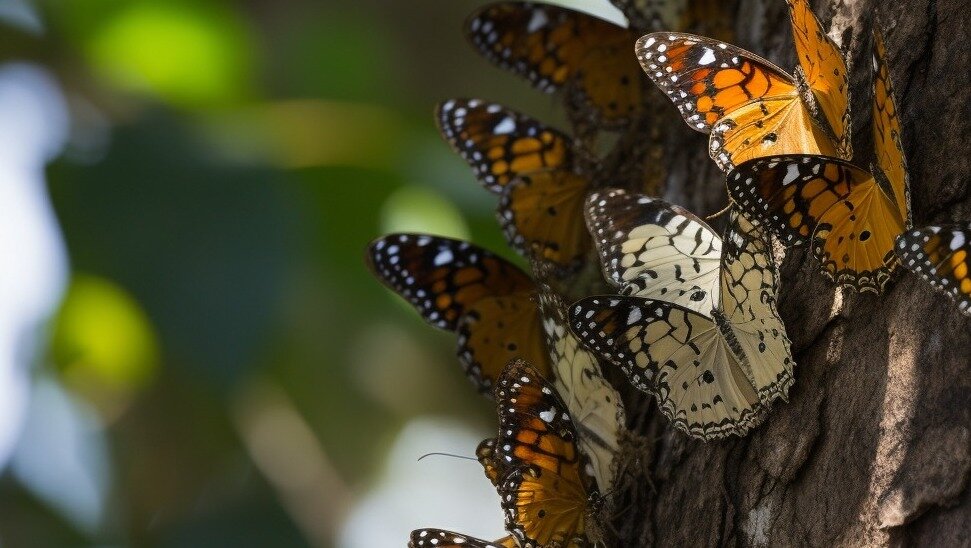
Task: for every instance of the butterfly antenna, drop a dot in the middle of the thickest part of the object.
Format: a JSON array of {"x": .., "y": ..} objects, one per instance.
[
  {"x": 723, "y": 211},
  {"x": 463, "y": 457}
]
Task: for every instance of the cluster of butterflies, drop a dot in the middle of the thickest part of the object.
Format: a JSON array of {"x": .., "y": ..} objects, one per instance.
[{"x": 693, "y": 321}]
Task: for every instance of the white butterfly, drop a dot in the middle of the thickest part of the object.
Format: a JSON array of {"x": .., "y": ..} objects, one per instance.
[{"x": 716, "y": 371}]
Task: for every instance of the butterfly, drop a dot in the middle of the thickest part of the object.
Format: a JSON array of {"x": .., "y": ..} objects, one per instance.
[
  {"x": 654, "y": 249},
  {"x": 547, "y": 496},
  {"x": 556, "y": 48},
  {"x": 532, "y": 167},
  {"x": 942, "y": 256},
  {"x": 594, "y": 404},
  {"x": 460, "y": 287},
  {"x": 751, "y": 107},
  {"x": 851, "y": 216},
  {"x": 440, "y": 538},
  {"x": 715, "y": 372}
]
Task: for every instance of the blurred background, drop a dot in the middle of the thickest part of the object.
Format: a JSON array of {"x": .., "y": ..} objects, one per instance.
[{"x": 192, "y": 352}]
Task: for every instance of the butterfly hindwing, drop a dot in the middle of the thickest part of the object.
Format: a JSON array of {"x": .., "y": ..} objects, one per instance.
[
  {"x": 594, "y": 404},
  {"x": 749, "y": 286},
  {"x": 556, "y": 48},
  {"x": 540, "y": 216},
  {"x": 500, "y": 143},
  {"x": 458, "y": 286},
  {"x": 941, "y": 255},
  {"x": 654, "y": 249}
]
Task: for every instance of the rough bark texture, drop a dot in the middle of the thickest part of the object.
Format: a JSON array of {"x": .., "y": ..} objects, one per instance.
[{"x": 874, "y": 444}]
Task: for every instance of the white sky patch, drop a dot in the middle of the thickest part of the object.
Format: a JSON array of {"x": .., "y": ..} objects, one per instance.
[
  {"x": 440, "y": 492},
  {"x": 32, "y": 252}
]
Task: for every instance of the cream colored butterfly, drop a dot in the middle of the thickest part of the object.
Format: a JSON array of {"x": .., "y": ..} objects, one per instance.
[{"x": 715, "y": 372}]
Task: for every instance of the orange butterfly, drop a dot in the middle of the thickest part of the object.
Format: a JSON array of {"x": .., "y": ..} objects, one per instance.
[
  {"x": 461, "y": 287},
  {"x": 534, "y": 169},
  {"x": 852, "y": 216},
  {"x": 751, "y": 107},
  {"x": 556, "y": 49},
  {"x": 548, "y": 497}
]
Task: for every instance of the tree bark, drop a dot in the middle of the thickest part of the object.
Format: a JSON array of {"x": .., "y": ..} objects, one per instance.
[{"x": 874, "y": 445}]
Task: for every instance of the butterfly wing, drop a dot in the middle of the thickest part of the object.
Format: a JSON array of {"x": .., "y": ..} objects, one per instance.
[
  {"x": 886, "y": 131},
  {"x": 825, "y": 72},
  {"x": 942, "y": 256},
  {"x": 748, "y": 302},
  {"x": 851, "y": 221},
  {"x": 440, "y": 538},
  {"x": 461, "y": 287},
  {"x": 544, "y": 494},
  {"x": 495, "y": 330},
  {"x": 654, "y": 249},
  {"x": 676, "y": 354},
  {"x": 596, "y": 408},
  {"x": 540, "y": 216},
  {"x": 500, "y": 143},
  {"x": 557, "y": 48}
]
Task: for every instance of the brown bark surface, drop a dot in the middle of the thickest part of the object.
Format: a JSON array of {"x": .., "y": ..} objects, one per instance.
[{"x": 874, "y": 444}]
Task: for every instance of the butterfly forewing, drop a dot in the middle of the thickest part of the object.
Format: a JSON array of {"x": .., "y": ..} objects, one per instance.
[
  {"x": 461, "y": 287},
  {"x": 556, "y": 48},
  {"x": 707, "y": 79},
  {"x": 751, "y": 107},
  {"x": 440, "y": 538},
  {"x": 941, "y": 255},
  {"x": 654, "y": 249},
  {"x": 886, "y": 131},
  {"x": 825, "y": 72},
  {"x": 500, "y": 143}
]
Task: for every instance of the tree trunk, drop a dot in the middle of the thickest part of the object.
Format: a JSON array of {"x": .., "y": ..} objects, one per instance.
[{"x": 874, "y": 444}]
